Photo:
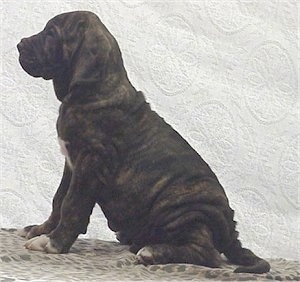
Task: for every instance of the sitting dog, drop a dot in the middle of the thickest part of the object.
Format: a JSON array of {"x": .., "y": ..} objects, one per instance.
[{"x": 157, "y": 193}]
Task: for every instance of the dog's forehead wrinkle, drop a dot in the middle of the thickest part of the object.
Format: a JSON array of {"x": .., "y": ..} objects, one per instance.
[{"x": 75, "y": 18}]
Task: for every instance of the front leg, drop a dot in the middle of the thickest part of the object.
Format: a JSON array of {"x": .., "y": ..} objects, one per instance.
[
  {"x": 51, "y": 223},
  {"x": 75, "y": 211}
]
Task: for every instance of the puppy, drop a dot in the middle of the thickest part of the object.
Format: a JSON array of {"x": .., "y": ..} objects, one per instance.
[{"x": 157, "y": 193}]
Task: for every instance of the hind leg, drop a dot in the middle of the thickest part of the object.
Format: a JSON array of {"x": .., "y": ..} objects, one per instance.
[{"x": 197, "y": 249}]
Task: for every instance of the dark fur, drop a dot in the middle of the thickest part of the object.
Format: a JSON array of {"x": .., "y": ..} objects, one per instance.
[{"x": 154, "y": 189}]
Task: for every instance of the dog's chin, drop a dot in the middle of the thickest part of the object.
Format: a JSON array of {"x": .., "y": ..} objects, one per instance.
[
  {"x": 47, "y": 76},
  {"x": 35, "y": 70},
  {"x": 30, "y": 67}
]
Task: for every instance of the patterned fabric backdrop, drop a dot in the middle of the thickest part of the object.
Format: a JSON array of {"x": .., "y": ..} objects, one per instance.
[{"x": 223, "y": 73}]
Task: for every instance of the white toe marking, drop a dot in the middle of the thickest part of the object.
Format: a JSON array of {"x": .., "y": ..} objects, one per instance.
[
  {"x": 63, "y": 148},
  {"x": 50, "y": 249},
  {"x": 145, "y": 252},
  {"x": 145, "y": 256},
  {"x": 38, "y": 243}
]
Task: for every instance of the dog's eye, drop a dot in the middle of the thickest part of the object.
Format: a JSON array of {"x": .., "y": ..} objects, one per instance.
[
  {"x": 50, "y": 32},
  {"x": 52, "y": 46}
]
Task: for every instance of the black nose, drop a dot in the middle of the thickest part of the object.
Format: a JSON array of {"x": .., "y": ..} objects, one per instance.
[{"x": 21, "y": 45}]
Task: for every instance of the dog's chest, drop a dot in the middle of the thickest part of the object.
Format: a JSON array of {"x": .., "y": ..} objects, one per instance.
[{"x": 64, "y": 150}]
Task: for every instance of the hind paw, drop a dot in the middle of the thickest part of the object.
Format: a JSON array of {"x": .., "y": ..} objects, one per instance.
[{"x": 145, "y": 256}]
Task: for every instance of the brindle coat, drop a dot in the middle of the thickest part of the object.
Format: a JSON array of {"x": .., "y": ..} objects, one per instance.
[{"x": 157, "y": 193}]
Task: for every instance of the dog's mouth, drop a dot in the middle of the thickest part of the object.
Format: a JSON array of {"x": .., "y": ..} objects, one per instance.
[
  {"x": 31, "y": 63},
  {"x": 28, "y": 60},
  {"x": 29, "y": 66}
]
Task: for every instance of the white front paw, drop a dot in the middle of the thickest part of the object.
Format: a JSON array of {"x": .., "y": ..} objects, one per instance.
[{"x": 41, "y": 243}]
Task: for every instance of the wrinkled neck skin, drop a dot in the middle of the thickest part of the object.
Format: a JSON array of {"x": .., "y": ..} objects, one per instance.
[{"x": 115, "y": 90}]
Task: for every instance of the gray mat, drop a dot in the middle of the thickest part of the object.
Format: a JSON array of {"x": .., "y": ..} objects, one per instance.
[{"x": 96, "y": 260}]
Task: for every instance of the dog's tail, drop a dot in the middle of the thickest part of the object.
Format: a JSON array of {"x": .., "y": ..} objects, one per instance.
[{"x": 249, "y": 262}]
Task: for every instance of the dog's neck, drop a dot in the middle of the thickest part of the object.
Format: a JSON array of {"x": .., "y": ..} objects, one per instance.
[
  {"x": 61, "y": 88},
  {"x": 120, "y": 94}
]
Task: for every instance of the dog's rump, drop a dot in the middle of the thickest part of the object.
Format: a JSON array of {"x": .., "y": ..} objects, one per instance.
[{"x": 164, "y": 187}]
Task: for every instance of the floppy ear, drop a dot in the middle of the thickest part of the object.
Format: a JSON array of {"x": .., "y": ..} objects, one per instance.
[
  {"x": 61, "y": 82},
  {"x": 81, "y": 57},
  {"x": 61, "y": 87},
  {"x": 90, "y": 53},
  {"x": 90, "y": 61}
]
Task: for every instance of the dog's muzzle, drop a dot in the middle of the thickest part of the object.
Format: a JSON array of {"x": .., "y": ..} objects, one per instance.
[{"x": 28, "y": 59}]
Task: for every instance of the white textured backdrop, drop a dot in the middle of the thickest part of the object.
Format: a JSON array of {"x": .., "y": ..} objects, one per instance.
[{"x": 223, "y": 73}]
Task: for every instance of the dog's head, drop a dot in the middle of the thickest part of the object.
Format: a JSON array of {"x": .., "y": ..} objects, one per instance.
[{"x": 74, "y": 49}]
